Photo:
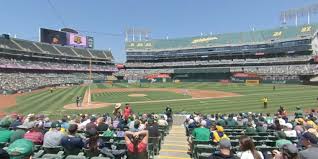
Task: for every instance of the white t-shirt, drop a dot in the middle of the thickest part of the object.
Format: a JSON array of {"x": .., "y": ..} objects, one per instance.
[
  {"x": 290, "y": 133},
  {"x": 248, "y": 155}
]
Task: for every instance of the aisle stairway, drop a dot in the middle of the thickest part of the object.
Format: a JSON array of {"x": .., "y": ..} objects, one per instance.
[{"x": 175, "y": 144}]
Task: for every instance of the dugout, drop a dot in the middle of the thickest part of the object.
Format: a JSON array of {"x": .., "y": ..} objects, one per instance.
[{"x": 201, "y": 74}]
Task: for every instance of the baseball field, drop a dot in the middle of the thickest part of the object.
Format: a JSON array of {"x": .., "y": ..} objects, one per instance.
[{"x": 182, "y": 97}]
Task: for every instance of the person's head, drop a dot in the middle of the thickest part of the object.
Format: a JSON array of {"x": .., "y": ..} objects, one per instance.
[
  {"x": 203, "y": 123},
  {"x": 308, "y": 139},
  {"x": 246, "y": 143},
  {"x": 72, "y": 129},
  {"x": 281, "y": 135},
  {"x": 288, "y": 126},
  {"x": 100, "y": 120},
  {"x": 289, "y": 151},
  {"x": 92, "y": 119},
  {"x": 136, "y": 124},
  {"x": 225, "y": 146},
  {"x": 268, "y": 114},
  {"x": 56, "y": 125}
]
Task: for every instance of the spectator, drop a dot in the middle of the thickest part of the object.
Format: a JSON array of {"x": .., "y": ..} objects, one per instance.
[
  {"x": 127, "y": 111},
  {"x": 288, "y": 130},
  {"x": 248, "y": 149},
  {"x": 250, "y": 129},
  {"x": 288, "y": 151},
  {"x": 309, "y": 141},
  {"x": 4, "y": 154},
  {"x": 230, "y": 121},
  {"x": 5, "y": 135},
  {"x": 93, "y": 143},
  {"x": 201, "y": 133},
  {"x": 101, "y": 125},
  {"x": 65, "y": 123},
  {"x": 154, "y": 133},
  {"x": 109, "y": 132},
  {"x": 19, "y": 133},
  {"x": 137, "y": 143},
  {"x": 21, "y": 149},
  {"x": 298, "y": 113},
  {"x": 162, "y": 121},
  {"x": 35, "y": 135},
  {"x": 281, "y": 139},
  {"x": 91, "y": 124},
  {"x": 260, "y": 127},
  {"x": 217, "y": 133},
  {"x": 117, "y": 111},
  {"x": 53, "y": 137},
  {"x": 72, "y": 143},
  {"x": 120, "y": 132},
  {"x": 269, "y": 119},
  {"x": 224, "y": 151}
]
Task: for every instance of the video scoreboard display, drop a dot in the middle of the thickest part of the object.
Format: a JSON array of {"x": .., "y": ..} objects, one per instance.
[{"x": 65, "y": 38}]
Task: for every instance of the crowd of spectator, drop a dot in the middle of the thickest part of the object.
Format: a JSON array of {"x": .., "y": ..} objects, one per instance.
[
  {"x": 221, "y": 62},
  {"x": 295, "y": 136},
  {"x": 137, "y": 74},
  {"x": 44, "y": 65},
  {"x": 83, "y": 132},
  {"x": 22, "y": 81}
]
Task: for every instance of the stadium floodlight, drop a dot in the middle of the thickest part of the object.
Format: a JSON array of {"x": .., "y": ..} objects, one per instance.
[
  {"x": 142, "y": 33},
  {"x": 299, "y": 12}
]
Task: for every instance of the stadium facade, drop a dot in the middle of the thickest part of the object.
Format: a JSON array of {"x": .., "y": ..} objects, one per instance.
[
  {"x": 280, "y": 54},
  {"x": 27, "y": 65}
]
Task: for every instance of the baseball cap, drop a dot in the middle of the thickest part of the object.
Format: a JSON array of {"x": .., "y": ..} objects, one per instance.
[
  {"x": 310, "y": 137},
  {"x": 225, "y": 143},
  {"x": 55, "y": 124},
  {"x": 290, "y": 148}
]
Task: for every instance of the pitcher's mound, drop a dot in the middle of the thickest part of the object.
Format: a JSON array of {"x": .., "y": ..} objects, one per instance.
[{"x": 137, "y": 95}]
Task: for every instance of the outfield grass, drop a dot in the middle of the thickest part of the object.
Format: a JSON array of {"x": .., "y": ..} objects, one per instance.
[
  {"x": 289, "y": 96},
  {"x": 118, "y": 97}
]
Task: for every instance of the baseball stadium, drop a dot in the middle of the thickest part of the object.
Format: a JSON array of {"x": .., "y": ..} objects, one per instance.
[{"x": 249, "y": 95}]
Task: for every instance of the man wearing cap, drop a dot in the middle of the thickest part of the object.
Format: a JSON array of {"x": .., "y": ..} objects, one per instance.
[
  {"x": 224, "y": 151},
  {"x": 287, "y": 151},
  {"x": 310, "y": 141},
  {"x": 53, "y": 137}
]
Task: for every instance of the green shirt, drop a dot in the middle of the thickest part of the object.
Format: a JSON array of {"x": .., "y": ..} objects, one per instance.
[
  {"x": 281, "y": 142},
  {"x": 18, "y": 134},
  {"x": 221, "y": 122},
  {"x": 250, "y": 130},
  {"x": 20, "y": 147},
  {"x": 201, "y": 134},
  {"x": 5, "y": 135},
  {"x": 260, "y": 129},
  {"x": 108, "y": 133},
  {"x": 298, "y": 114},
  {"x": 231, "y": 122}
]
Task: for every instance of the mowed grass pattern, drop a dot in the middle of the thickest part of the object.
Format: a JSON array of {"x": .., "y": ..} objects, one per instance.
[
  {"x": 289, "y": 96},
  {"x": 118, "y": 97}
]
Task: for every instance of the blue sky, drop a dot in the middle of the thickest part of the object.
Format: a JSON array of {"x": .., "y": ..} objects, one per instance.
[{"x": 173, "y": 18}]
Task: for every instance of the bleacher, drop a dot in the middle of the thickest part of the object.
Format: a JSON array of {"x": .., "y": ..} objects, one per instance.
[
  {"x": 264, "y": 142},
  {"x": 115, "y": 144}
]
